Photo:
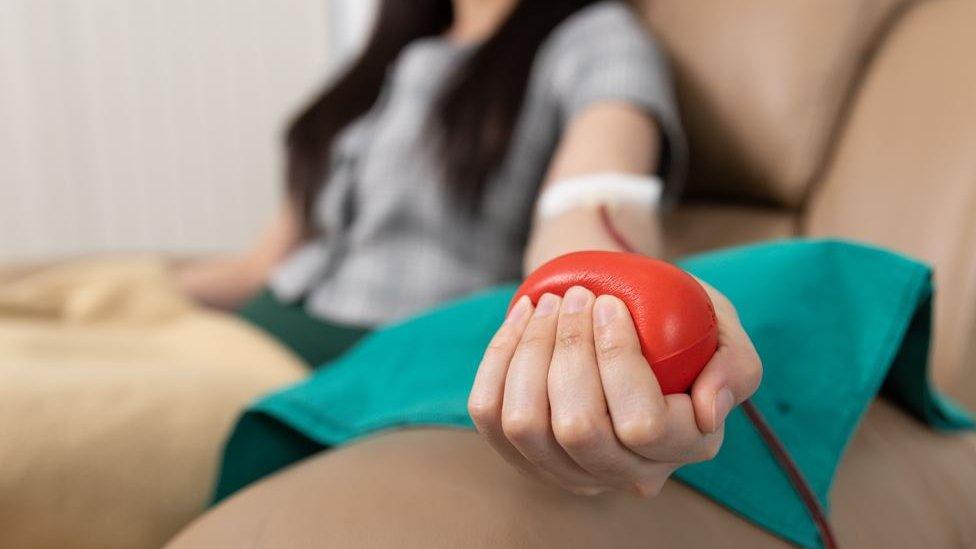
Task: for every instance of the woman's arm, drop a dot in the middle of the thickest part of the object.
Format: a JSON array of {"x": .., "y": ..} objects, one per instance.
[
  {"x": 227, "y": 282},
  {"x": 615, "y": 137},
  {"x": 564, "y": 392}
]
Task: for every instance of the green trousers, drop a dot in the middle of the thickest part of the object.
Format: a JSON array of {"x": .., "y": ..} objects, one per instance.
[{"x": 315, "y": 341}]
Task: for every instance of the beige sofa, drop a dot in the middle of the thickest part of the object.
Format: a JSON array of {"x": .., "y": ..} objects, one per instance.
[
  {"x": 115, "y": 396},
  {"x": 853, "y": 118}
]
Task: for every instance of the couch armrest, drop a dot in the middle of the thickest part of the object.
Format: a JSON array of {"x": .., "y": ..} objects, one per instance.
[{"x": 903, "y": 174}]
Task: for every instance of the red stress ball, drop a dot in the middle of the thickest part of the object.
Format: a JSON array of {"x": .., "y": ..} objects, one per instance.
[{"x": 673, "y": 315}]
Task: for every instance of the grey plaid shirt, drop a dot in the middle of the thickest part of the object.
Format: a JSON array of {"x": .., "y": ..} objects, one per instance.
[{"x": 393, "y": 241}]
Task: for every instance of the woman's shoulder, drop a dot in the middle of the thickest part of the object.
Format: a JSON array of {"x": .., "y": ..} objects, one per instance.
[
  {"x": 603, "y": 42},
  {"x": 605, "y": 53},
  {"x": 607, "y": 21},
  {"x": 608, "y": 33}
]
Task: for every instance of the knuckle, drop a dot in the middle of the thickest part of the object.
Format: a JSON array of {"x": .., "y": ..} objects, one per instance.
[
  {"x": 521, "y": 427},
  {"x": 500, "y": 344},
  {"x": 484, "y": 410},
  {"x": 641, "y": 432},
  {"x": 610, "y": 349},
  {"x": 576, "y": 431},
  {"x": 745, "y": 367},
  {"x": 570, "y": 338},
  {"x": 536, "y": 339}
]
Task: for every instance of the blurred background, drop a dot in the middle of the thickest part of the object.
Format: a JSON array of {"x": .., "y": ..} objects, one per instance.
[{"x": 153, "y": 124}]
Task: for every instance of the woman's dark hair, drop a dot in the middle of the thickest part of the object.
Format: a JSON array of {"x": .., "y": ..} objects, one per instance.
[{"x": 475, "y": 116}]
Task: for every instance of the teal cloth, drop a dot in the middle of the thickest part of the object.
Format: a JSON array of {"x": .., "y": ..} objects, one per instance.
[{"x": 831, "y": 320}]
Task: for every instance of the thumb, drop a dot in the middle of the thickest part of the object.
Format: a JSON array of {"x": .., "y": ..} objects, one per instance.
[{"x": 732, "y": 375}]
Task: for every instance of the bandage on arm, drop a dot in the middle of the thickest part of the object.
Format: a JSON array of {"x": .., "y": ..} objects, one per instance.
[
  {"x": 567, "y": 215},
  {"x": 593, "y": 190}
]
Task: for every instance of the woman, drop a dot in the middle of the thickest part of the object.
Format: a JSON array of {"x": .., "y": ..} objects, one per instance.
[{"x": 415, "y": 179}]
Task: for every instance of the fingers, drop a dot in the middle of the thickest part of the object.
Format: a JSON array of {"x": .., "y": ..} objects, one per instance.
[
  {"x": 633, "y": 395},
  {"x": 525, "y": 414},
  {"x": 649, "y": 424},
  {"x": 580, "y": 422},
  {"x": 732, "y": 375},
  {"x": 565, "y": 394},
  {"x": 684, "y": 442},
  {"x": 487, "y": 392}
]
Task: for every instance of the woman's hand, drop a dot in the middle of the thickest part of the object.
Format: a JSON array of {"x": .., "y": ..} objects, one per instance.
[
  {"x": 564, "y": 394},
  {"x": 229, "y": 281}
]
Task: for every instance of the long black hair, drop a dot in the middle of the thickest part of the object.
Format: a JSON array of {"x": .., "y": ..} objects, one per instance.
[{"x": 474, "y": 117}]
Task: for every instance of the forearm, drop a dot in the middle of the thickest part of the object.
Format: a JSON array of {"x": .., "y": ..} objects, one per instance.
[
  {"x": 581, "y": 229},
  {"x": 608, "y": 137}
]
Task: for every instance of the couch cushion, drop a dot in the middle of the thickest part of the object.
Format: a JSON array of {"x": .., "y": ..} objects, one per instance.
[
  {"x": 115, "y": 396},
  {"x": 762, "y": 84},
  {"x": 700, "y": 227},
  {"x": 904, "y": 174}
]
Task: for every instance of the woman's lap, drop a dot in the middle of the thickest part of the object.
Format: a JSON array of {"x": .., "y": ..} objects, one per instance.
[
  {"x": 316, "y": 341},
  {"x": 900, "y": 484},
  {"x": 441, "y": 488}
]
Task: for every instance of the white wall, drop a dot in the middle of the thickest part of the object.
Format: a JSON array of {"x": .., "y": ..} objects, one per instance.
[
  {"x": 351, "y": 21},
  {"x": 147, "y": 124}
]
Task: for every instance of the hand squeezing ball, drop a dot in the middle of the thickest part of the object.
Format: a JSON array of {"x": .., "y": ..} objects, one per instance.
[
  {"x": 672, "y": 313},
  {"x": 676, "y": 326}
]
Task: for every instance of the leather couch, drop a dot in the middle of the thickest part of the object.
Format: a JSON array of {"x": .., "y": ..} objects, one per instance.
[{"x": 847, "y": 118}]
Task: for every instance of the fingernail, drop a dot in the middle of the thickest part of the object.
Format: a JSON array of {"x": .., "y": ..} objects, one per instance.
[
  {"x": 575, "y": 300},
  {"x": 518, "y": 311},
  {"x": 721, "y": 407},
  {"x": 604, "y": 311},
  {"x": 548, "y": 304}
]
